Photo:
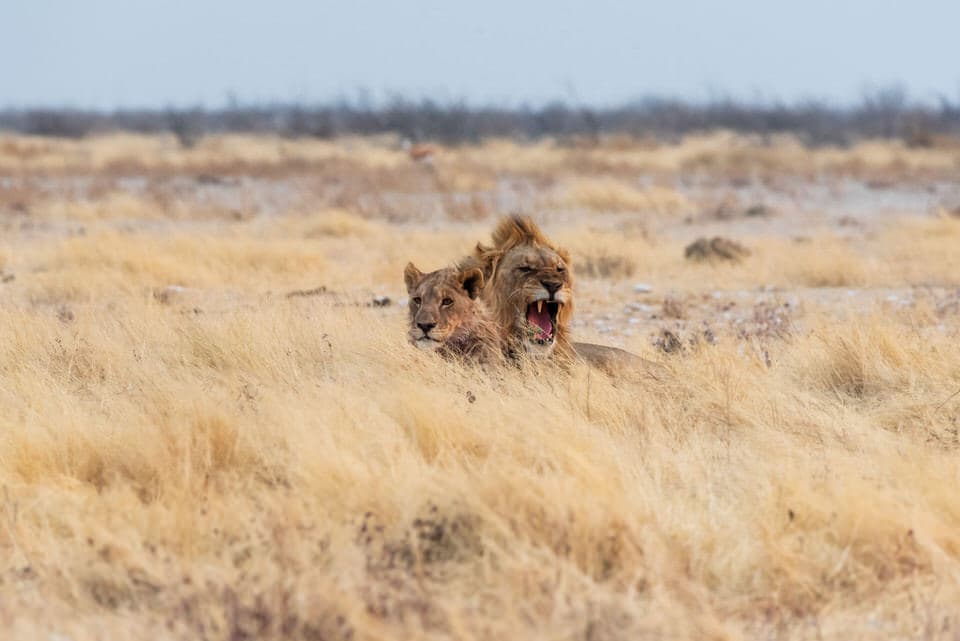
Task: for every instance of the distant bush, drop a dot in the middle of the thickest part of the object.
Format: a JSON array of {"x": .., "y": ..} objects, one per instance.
[{"x": 885, "y": 114}]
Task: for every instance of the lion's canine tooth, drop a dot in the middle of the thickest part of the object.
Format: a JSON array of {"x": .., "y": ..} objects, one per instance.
[{"x": 539, "y": 306}]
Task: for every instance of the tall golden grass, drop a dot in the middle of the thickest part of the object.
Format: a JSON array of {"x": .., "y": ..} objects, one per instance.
[{"x": 240, "y": 464}]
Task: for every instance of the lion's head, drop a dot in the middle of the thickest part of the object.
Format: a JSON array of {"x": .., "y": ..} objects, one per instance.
[
  {"x": 446, "y": 313},
  {"x": 529, "y": 287}
]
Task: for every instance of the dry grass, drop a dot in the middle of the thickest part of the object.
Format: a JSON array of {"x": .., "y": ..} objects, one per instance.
[
  {"x": 739, "y": 155},
  {"x": 229, "y": 463},
  {"x": 334, "y": 223},
  {"x": 111, "y": 206},
  {"x": 90, "y": 267},
  {"x": 605, "y": 194}
]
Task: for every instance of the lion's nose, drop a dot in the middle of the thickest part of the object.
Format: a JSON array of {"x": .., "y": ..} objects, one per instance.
[
  {"x": 426, "y": 327},
  {"x": 551, "y": 285}
]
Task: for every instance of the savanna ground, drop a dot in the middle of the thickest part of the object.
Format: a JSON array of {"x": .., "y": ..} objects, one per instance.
[{"x": 211, "y": 428}]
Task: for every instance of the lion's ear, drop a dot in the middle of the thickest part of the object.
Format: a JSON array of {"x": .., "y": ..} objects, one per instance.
[
  {"x": 411, "y": 276},
  {"x": 472, "y": 281},
  {"x": 488, "y": 261}
]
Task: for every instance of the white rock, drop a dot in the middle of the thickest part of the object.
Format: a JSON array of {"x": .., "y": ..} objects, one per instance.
[{"x": 642, "y": 288}]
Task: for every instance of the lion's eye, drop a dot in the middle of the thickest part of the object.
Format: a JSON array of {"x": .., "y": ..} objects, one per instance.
[
  {"x": 524, "y": 269},
  {"x": 416, "y": 301},
  {"x": 561, "y": 268},
  {"x": 447, "y": 302}
]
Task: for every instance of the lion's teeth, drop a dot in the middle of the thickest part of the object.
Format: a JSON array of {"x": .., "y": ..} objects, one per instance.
[{"x": 539, "y": 306}]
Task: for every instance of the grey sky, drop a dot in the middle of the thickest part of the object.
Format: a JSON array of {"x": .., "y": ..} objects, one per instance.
[{"x": 110, "y": 53}]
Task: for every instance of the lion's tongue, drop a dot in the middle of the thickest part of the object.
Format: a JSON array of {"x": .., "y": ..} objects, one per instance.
[{"x": 541, "y": 320}]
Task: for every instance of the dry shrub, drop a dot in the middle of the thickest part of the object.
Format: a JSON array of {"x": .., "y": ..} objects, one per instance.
[
  {"x": 673, "y": 307},
  {"x": 715, "y": 249}
]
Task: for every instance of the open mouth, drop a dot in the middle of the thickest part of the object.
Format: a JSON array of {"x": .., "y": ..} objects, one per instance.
[{"x": 541, "y": 320}]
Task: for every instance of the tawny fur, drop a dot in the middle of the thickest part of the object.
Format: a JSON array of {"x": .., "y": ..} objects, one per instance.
[
  {"x": 504, "y": 293},
  {"x": 463, "y": 328},
  {"x": 507, "y": 292}
]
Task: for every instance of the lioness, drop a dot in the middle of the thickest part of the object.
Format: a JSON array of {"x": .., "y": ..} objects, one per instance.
[
  {"x": 447, "y": 315},
  {"x": 528, "y": 289}
]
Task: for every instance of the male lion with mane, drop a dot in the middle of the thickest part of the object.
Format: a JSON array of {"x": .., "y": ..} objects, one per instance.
[
  {"x": 447, "y": 315},
  {"x": 529, "y": 289}
]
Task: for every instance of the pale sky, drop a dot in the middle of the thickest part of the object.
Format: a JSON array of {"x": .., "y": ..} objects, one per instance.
[{"x": 157, "y": 53}]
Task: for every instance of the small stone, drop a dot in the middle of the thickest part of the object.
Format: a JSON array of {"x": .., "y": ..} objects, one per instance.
[{"x": 642, "y": 288}]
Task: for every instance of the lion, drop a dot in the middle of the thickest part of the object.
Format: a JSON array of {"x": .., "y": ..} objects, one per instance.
[
  {"x": 447, "y": 315},
  {"x": 529, "y": 289}
]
